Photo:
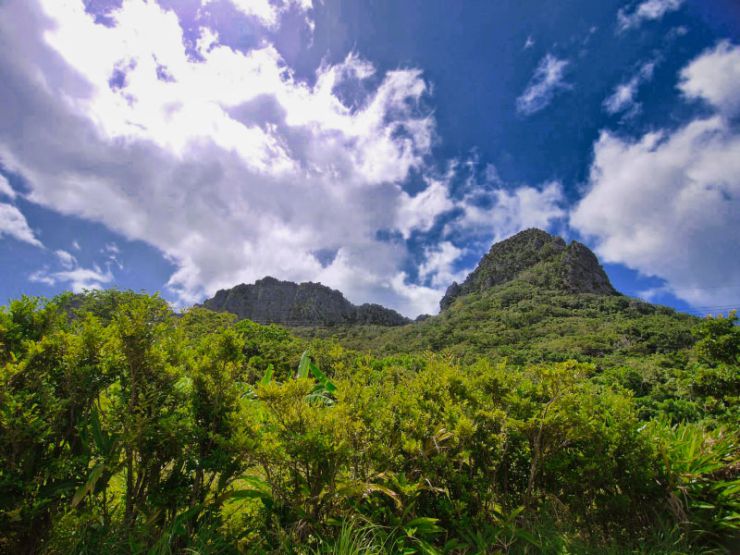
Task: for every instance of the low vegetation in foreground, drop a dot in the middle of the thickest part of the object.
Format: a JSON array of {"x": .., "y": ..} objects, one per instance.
[{"x": 127, "y": 429}]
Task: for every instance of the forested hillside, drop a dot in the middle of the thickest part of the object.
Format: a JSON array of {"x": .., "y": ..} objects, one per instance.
[
  {"x": 533, "y": 299},
  {"x": 528, "y": 417}
]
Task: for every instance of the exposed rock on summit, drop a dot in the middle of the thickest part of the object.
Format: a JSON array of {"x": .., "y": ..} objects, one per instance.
[
  {"x": 270, "y": 300},
  {"x": 536, "y": 256}
]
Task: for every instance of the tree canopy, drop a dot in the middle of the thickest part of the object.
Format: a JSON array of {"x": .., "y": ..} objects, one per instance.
[{"x": 126, "y": 428}]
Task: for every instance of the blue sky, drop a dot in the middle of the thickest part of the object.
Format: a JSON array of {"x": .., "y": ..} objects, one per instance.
[{"x": 378, "y": 147}]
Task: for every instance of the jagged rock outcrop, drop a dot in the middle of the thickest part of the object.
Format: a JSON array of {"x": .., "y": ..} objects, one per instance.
[
  {"x": 538, "y": 257},
  {"x": 583, "y": 273},
  {"x": 270, "y": 300}
]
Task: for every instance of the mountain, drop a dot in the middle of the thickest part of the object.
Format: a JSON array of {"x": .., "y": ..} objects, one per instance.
[
  {"x": 533, "y": 298},
  {"x": 270, "y": 300},
  {"x": 537, "y": 257}
]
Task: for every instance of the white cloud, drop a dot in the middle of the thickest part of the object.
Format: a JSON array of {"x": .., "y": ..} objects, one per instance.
[
  {"x": 77, "y": 279},
  {"x": 421, "y": 211},
  {"x": 649, "y": 10},
  {"x": 666, "y": 204},
  {"x": 492, "y": 175},
  {"x": 438, "y": 267},
  {"x": 486, "y": 216},
  {"x": 267, "y": 12},
  {"x": 41, "y": 276},
  {"x": 231, "y": 167},
  {"x": 529, "y": 43},
  {"x": 548, "y": 78},
  {"x": 113, "y": 254},
  {"x": 500, "y": 213},
  {"x": 652, "y": 293},
  {"x": 13, "y": 224},
  {"x": 5, "y": 189},
  {"x": 425, "y": 300},
  {"x": 66, "y": 259},
  {"x": 715, "y": 77},
  {"x": 623, "y": 99},
  {"x": 72, "y": 275}
]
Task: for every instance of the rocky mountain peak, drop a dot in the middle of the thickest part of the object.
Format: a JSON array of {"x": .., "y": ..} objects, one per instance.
[
  {"x": 542, "y": 258},
  {"x": 270, "y": 300}
]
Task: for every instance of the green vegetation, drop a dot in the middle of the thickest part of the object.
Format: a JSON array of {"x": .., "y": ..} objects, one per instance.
[
  {"x": 518, "y": 421},
  {"x": 528, "y": 324}
]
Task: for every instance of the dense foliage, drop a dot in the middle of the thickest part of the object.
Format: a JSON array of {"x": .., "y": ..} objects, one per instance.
[
  {"x": 568, "y": 425},
  {"x": 529, "y": 323}
]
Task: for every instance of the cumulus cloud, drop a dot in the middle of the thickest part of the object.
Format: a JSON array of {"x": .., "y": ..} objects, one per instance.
[
  {"x": 419, "y": 212},
  {"x": 548, "y": 78},
  {"x": 666, "y": 203},
  {"x": 502, "y": 212},
  {"x": 77, "y": 279},
  {"x": 231, "y": 167},
  {"x": 13, "y": 224},
  {"x": 623, "y": 99},
  {"x": 267, "y": 12},
  {"x": 5, "y": 189},
  {"x": 649, "y": 10},
  {"x": 490, "y": 211},
  {"x": 438, "y": 267},
  {"x": 424, "y": 299},
  {"x": 715, "y": 78},
  {"x": 228, "y": 163}
]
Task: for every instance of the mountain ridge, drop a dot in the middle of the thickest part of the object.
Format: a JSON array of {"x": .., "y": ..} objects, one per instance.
[
  {"x": 532, "y": 255},
  {"x": 270, "y": 300},
  {"x": 532, "y": 298}
]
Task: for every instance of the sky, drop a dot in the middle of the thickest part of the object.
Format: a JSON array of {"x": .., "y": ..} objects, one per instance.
[{"x": 378, "y": 147}]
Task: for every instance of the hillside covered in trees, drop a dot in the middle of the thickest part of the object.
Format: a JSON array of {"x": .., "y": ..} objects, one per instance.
[{"x": 539, "y": 412}]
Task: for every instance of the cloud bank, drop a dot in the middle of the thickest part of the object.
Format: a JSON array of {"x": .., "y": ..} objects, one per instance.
[
  {"x": 221, "y": 158},
  {"x": 667, "y": 203}
]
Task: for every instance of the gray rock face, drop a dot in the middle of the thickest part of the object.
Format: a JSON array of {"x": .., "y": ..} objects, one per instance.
[
  {"x": 584, "y": 274},
  {"x": 269, "y": 300},
  {"x": 539, "y": 257}
]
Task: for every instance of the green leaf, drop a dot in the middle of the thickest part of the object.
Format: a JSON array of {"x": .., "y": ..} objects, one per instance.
[
  {"x": 365, "y": 488},
  {"x": 303, "y": 365},
  {"x": 102, "y": 440},
  {"x": 257, "y": 489},
  {"x": 95, "y": 475},
  {"x": 319, "y": 395},
  {"x": 526, "y": 536},
  {"x": 423, "y": 525},
  {"x": 321, "y": 378},
  {"x": 247, "y": 494},
  {"x": 184, "y": 385},
  {"x": 268, "y": 375}
]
